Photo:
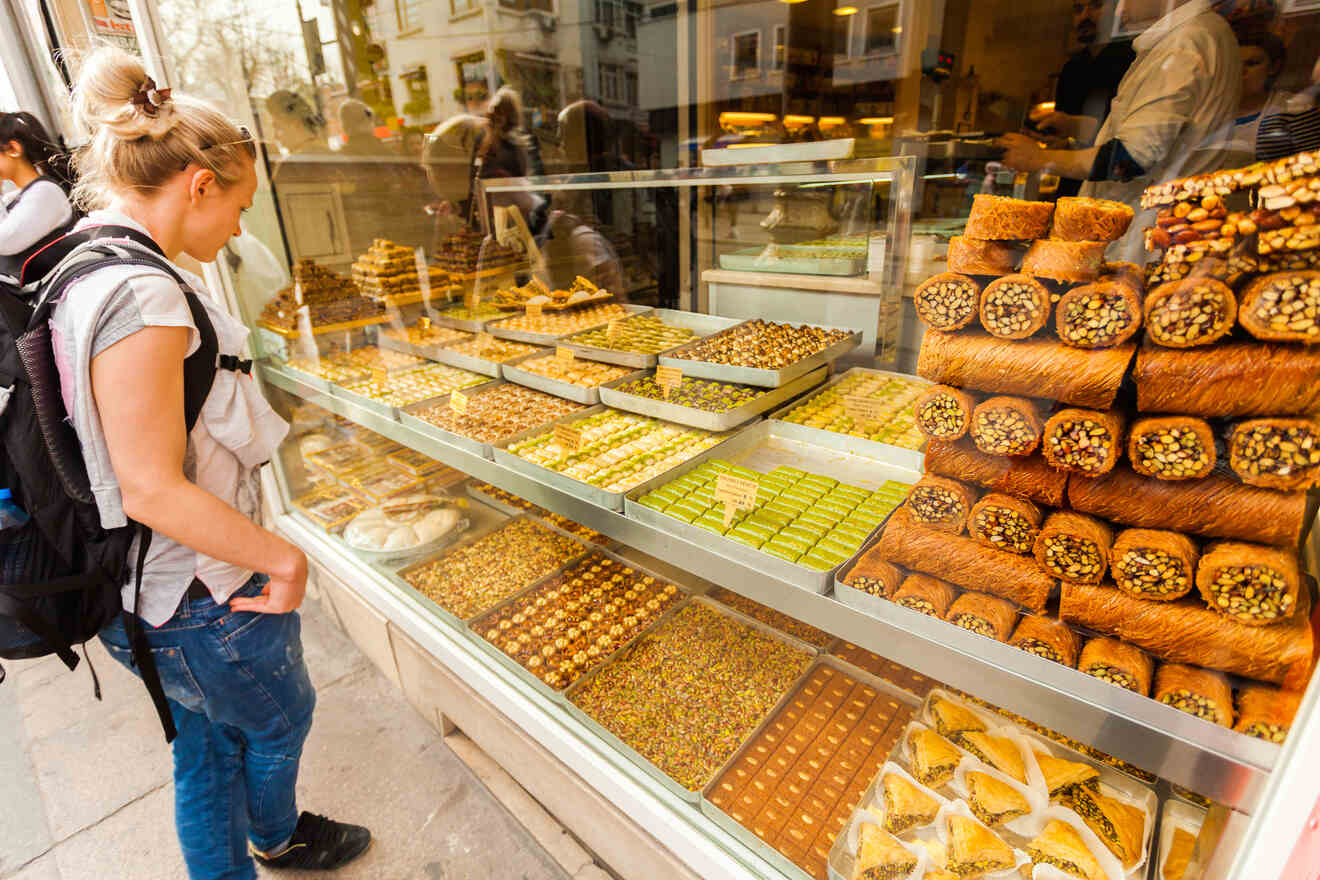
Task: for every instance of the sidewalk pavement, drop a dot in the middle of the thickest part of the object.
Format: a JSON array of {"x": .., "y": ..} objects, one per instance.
[{"x": 86, "y": 793}]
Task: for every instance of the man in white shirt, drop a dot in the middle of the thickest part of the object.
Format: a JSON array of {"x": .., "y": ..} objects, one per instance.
[{"x": 1183, "y": 86}]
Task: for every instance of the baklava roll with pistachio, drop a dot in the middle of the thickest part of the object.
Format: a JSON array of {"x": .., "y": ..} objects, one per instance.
[
  {"x": 948, "y": 301},
  {"x": 1282, "y": 307},
  {"x": 1005, "y": 522},
  {"x": 874, "y": 575},
  {"x": 1188, "y": 313},
  {"x": 1250, "y": 583},
  {"x": 1074, "y": 547},
  {"x": 1102, "y": 314},
  {"x": 1083, "y": 441},
  {"x": 1118, "y": 663},
  {"x": 1276, "y": 453},
  {"x": 1200, "y": 692},
  {"x": 1014, "y": 307},
  {"x": 983, "y": 614},
  {"x": 944, "y": 412},
  {"x": 1154, "y": 564},
  {"x": 1266, "y": 712},
  {"x": 941, "y": 503},
  {"x": 1172, "y": 447},
  {"x": 1047, "y": 637},
  {"x": 1028, "y": 476},
  {"x": 1005, "y": 425},
  {"x": 925, "y": 594}
]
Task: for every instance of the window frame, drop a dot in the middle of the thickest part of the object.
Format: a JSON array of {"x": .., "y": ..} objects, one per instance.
[
  {"x": 895, "y": 5},
  {"x": 735, "y": 74}
]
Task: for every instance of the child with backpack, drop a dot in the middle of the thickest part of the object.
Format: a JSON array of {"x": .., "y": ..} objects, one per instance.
[
  {"x": 172, "y": 433},
  {"x": 39, "y": 210}
]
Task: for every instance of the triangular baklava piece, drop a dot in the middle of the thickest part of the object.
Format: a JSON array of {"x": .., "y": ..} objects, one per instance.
[
  {"x": 994, "y": 801},
  {"x": 974, "y": 850},
  {"x": 936, "y": 857},
  {"x": 1061, "y": 775},
  {"x": 951, "y": 718},
  {"x": 906, "y": 806},
  {"x": 1120, "y": 826},
  {"x": 999, "y": 752},
  {"x": 1061, "y": 846},
  {"x": 934, "y": 759},
  {"x": 880, "y": 856}
]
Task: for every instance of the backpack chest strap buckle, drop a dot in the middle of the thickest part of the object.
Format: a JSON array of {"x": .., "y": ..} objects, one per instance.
[{"x": 233, "y": 364}]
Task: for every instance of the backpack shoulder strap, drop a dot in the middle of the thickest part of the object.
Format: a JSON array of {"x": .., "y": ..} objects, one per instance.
[{"x": 45, "y": 260}]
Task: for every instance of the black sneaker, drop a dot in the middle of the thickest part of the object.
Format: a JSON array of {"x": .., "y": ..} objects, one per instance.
[{"x": 319, "y": 844}]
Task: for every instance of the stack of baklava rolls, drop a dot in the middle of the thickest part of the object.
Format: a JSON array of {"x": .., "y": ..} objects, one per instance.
[{"x": 1117, "y": 474}]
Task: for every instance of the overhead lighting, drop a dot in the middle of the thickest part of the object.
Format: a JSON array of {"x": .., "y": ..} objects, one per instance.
[
  {"x": 1045, "y": 107},
  {"x": 876, "y": 120},
  {"x": 790, "y": 2},
  {"x": 897, "y": 30},
  {"x": 737, "y": 117},
  {"x": 794, "y": 121},
  {"x": 830, "y": 121},
  {"x": 845, "y": 10}
]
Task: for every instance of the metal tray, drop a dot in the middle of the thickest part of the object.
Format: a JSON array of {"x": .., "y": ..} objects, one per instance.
[
  {"x": 379, "y": 407},
  {"x": 750, "y": 260},
  {"x": 479, "y": 365},
  {"x": 756, "y": 376},
  {"x": 467, "y": 444},
  {"x": 763, "y": 444},
  {"x": 910, "y": 458},
  {"x": 461, "y": 324},
  {"x": 396, "y": 576},
  {"x": 430, "y": 352},
  {"x": 740, "y": 832},
  {"x": 557, "y": 695},
  {"x": 610, "y": 395},
  {"x": 693, "y": 797},
  {"x": 702, "y": 325},
  {"x": 566, "y": 390},
  {"x": 555, "y": 480},
  {"x": 549, "y": 338}
]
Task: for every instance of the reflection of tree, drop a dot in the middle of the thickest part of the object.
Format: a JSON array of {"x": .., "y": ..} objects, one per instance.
[{"x": 232, "y": 49}]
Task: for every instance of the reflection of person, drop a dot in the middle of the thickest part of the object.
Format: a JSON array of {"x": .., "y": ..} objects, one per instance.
[
  {"x": 1287, "y": 124},
  {"x": 359, "y": 126},
  {"x": 505, "y": 150},
  {"x": 1182, "y": 88},
  {"x": 1087, "y": 83},
  {"x": 298, "y": 128},
  {"x": 216, "y": 587},
  {"x": 445, "y": 158},
  {"x": 1263, "y": 56},
  {"x": 572, "y": 243},
  {"x": 39, "y": 212}
]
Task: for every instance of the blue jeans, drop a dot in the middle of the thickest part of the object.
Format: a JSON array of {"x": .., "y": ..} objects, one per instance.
[{"x": 242, "y": 702}]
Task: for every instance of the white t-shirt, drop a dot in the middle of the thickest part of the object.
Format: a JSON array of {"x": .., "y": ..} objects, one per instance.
[
  {"x": 235, "y": 434},
  {"x": 30, "y": 214}
]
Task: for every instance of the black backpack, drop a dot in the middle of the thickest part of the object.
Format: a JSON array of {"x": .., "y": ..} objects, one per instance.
[{"x": 61, "y": 572}]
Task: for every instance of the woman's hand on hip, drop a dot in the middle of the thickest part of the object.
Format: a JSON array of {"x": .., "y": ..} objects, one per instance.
[{"x": 284, "y": 592}]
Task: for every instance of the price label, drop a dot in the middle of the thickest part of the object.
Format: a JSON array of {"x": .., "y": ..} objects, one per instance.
[
  {"x": 736, "y": 493},
  {"x": 565, "y": 355},
  {"x": 612, "y": 330},
  {"x": 458, "y": 402},
  {"x": 863, "y": 409},
  {"x": 668, "y": 378},
  {"x": 424, "y": 322},
  {"x": 568, "y": 437},
  {"x": 535, "y": 310},
  {"x": 379, "y": 377}
]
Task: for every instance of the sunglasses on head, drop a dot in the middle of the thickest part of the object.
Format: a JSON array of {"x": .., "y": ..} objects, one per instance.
[{"x": 245, "y": 138}]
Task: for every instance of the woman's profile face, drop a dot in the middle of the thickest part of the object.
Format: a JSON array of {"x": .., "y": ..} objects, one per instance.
[{"x": 215, "y": 214}]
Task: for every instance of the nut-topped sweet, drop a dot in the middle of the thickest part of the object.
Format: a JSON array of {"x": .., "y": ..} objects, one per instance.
[
  {"x": 763, "y": 345},
  {"x": 562, "y": 323},
  {"x": 426, "y": 333},
  {"x": 563, "y": 523},
  {"x": 475, "y": 577},
  {"x": 688, "y": 694},
  {"x": 645, "y": 334},
  {"x": 499, "y": 412},
  {"x": 416, "y": 385},
  {"x": 703, "y": 394},
  {"x": 491, "y": 349},
  {"x": 574, "y": 622},
  {"x": 583, "y": 373}
]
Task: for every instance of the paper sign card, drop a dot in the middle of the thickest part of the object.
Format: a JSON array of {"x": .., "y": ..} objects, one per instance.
[
  {"x": 458, "y": 402},
  {"x": 669, "y": 379},
  {"x": 568, "y": 437},
  {"x": 736, "y": 493}
]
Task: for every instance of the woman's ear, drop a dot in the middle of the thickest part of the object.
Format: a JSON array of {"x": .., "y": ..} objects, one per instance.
[
  {"x": 201, "y": 184},
  {"x": 13, "y": 149}
]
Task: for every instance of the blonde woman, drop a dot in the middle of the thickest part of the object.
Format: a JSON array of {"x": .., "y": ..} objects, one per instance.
[{"x": 218, "y": 594}]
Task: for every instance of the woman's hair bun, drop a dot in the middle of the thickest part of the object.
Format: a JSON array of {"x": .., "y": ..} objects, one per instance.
[{"x": 108, "y": 81}]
